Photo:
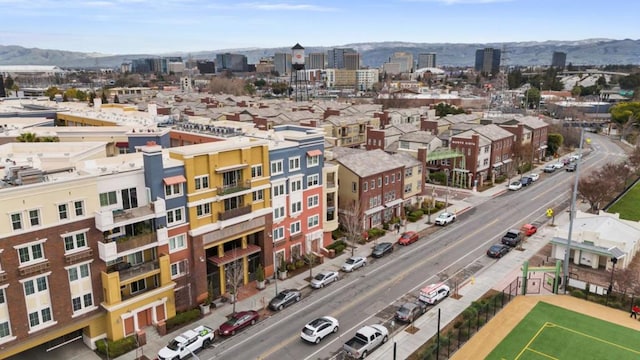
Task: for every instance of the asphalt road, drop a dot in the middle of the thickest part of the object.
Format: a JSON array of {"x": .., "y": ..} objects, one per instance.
[{"x": 372, "y": 294}]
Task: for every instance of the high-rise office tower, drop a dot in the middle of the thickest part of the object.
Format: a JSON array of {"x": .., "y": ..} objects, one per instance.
[
  {"x": 488, "y": 60},
  {"x": 335, "y": 57},
  {"x": 282, "y": 63},
  {"x": 559, "y": 59},
  {"x": 317, "y": 60},
  {"x": 426, "y": 60}
]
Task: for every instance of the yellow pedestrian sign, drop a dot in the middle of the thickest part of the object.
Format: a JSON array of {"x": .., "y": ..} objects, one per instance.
[{"x": 549, "y": 212}]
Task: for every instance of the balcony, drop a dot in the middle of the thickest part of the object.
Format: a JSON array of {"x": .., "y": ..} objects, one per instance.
[
  {"x": 127, "y": 243},
  {"x": 111, "y": 249},
  {"x": 230, "y": 214},
  {"x": 109, "y": 219},
  {"x": 34, "y": 269},
  {"x": 234, "y": 187},
  {"x": 78, "y": 256},
  {"x": 139, "y": 271},
  {"x": 329, "y": 184}
]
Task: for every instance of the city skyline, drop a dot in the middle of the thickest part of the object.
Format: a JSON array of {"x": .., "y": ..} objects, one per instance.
[{"x": 144, "y": 26}]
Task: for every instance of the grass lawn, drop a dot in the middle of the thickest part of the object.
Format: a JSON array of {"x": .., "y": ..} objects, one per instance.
[
  {"x": 627, "y": 206},
  {"x": 551, "y": 332}
]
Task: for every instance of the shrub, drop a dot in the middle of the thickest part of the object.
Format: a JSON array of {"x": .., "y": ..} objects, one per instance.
[
  {"x": 375, "y": 232},
  {"x": 291, "y": 266},
  {"x": 577, "y": 293},
  {"x": 183, "y": 318},
  {"x": 385, "y": 226},
  {"x": 336, "y": 244},
  {"x": 417, "y": 213},
  {"x": 116, "y": 348},
  {"x": 339, "y": 249},
  {"x": 299, "y": 263}
]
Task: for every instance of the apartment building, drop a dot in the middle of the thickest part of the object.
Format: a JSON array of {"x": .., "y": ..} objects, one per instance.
[{"x": 349, "y": 131}]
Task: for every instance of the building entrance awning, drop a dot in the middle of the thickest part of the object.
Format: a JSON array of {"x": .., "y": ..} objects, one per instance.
[{"x": 232, "y": 255}]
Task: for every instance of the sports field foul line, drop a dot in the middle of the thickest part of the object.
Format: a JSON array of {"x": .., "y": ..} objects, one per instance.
[{"x": 552, "y": 325}]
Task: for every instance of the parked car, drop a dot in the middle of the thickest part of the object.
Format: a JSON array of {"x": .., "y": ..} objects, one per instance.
[
  {"x": 190, "y": 341},
  {"x": 513, "y": 237},
  {"x": 445, "y": 218},
  {"x": 410, "y": 311},
  {"x": 382, "y": 249},
  {"x": 324, "y": 278},
  {"x": 238, "y": 321},
  {"x": 529, "y": 229},
  {"x": 515, "y": 185},
  {"x": 526, "y": 181},
  {"x": 285, "y": 298},
  {"x": 408, "y": 237},
  {"x": 534, "y": 176},
  {"x": 319, "y": 328},
  {"x": 558, "y": 165},
  {"x": 354, "y": 263},
  {"x": 498, "y": 250},
  {"x": 575, "y": 157},
  {"x": 433, "y": 293},
  {"x": 572, "y": 167},
  {"x": 549, "y": 168}
]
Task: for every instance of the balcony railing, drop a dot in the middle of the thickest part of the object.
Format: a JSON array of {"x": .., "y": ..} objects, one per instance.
[
  {"x": 34, "y": 269},
  {"x": 330, "y": 184},
  {"x": 230, "y": 214},
  {"x": 234, "y": 187},
  {"x": 127, "y": 243},
  {"x": 143, "y": 270},
  {"x": 78, "y": 256}
]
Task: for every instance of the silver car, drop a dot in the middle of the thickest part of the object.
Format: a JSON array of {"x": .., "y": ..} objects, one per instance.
[
  {"x": 354, "y": 263},
  {"x": 323, "y": 279}
]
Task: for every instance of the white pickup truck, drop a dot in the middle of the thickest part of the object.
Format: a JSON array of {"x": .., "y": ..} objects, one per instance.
[
  {"x": 187, "y": 343},
  {"x": 367, "y": 339}
]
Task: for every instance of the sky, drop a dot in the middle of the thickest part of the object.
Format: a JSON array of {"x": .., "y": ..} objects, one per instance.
[{"x": 165, "y": 26}]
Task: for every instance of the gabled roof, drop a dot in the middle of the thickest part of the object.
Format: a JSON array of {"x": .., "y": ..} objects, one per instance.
[
  {"x": 493, "y": 132},
  {"x": 421, "y": 137},
  {"x": 368, "y": 163},
  {"x": 405, "y": 159}
]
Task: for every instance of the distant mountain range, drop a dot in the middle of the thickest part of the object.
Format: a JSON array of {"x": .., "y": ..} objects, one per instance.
[{"x": 581, "y": 52}]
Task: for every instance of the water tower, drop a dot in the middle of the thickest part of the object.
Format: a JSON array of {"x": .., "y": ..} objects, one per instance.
[{"x": 298, "y": 81}]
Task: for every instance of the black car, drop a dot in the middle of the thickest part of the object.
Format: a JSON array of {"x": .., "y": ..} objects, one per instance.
[
  {"x": 498, "y": 250},
  {"x": 571, "y": 167},
  {"x": 410, "y": 311},
  {"x": 381, "y": 249},
  {"x": 284, "y": 299},
  {"x": 526, "y": 181}
]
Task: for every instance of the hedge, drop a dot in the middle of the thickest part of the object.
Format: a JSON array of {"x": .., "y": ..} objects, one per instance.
[
  {"x": 182, "y": 318},
  {"x": 116, "y": 348}
]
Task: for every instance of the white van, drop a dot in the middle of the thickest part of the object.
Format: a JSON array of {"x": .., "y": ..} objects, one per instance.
[{"x": 433, "y": 293}]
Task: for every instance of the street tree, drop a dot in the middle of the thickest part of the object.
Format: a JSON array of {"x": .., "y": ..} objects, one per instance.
[
  {"x": 625, "y": 116},
  {"x": 554, "y": 142},
  {"x": 351, "y": 221},
  {"x": 235, "y": 278},
  {"x": 596, "y": 189}
]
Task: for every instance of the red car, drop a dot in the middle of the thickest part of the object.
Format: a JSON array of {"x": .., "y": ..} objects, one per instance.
[
  {"x": 529, "y": 229},
  {"x": 408, "y": 238},
  {"x": 237, "y": 321}
]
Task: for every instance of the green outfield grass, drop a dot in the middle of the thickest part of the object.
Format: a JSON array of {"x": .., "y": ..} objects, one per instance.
[
  {"x": 627, "y": 206},
  {"x": 549, "y": 332}
]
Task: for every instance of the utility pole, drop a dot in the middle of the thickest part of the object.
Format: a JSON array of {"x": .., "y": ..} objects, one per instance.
[{"x": 572, "y": 214}]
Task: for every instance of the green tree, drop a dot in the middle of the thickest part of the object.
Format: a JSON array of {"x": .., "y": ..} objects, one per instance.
[
  {"x": 532, "y": 97},
  {"x": 52, "y": 92},
  {"x": 444, "y": 109},
  {"x": 27, "y": 137},
  {"x": 81, "y": 95},
  {"x": 554, "y": 142},
  {"x": 249, "y": 88},
  {"x": 625, "y": 115}
]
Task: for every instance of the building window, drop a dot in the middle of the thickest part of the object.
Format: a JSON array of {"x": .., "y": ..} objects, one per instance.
[
  {"x": 296, "y": 185},
  {"x": 178, "y": 269},
  {"x": 393, "y": 178},
  {"x": 63, "y": 213},
  {"x": 34, "y": 217},
  {"x": 296, "y": 207},
  {"x": 129, "y": 198},
  {"x": 78, "y": 272},
  {"x": 485, "y": 162},
  {"x": 233, "y": 203},
  {"x": 354, "y": 187},
  {"x": 278, "y": 234},
  {"x": 202, "y": 182},
  {"x": 82, "y": 302},
  {"x": 296, "y": 251},
  {"x": 16, "y": 221},
  {"x": 313, "y": 221},
  {"x": 313, "y": 201},
  {"x": 175, "y": 216},
  {"x": 108, "y": 198},
  {"x": 295, "y": 227},
  {"x": 258, "y": 195},
  {"x": 407, "y": 188},
  {"x": 256, "y": 171},
  {"x": 30, "y": 253},
  {"x": 173, "y": 190},
  {"x": 138, "y": 286},
  {"x": 386, "y": 179},
  {"x": 313, "y": 161},
  {"x": 75, "y": 241},
  {"x": 276, "y": 167},
  {"x": 4, "y": 329},
  {"x": 365, "y": 186},
  {"x": 379, "y": 182},
  {"x": 203, "y": 210},
  {"x": 231, "y": 179},
  {"x": 313, "y": 180},
  {"x": 408, "y": 172},
  {"x": 294, "y": 164},
  {"x": 278, "y": 213},
  {"x": 177, "y": 243},
  {"x": 278, "y": 190},
  {"x": 2, "y": 296},
  {"x": 78, "y": 206}
]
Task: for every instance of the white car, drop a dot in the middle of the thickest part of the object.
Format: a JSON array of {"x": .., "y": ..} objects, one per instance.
[
  {"x": 445, "y": 218},
  {"x": 324, "y": 278},
  {"x": 558, "y": 165},
  {"x": 316, "y": 330},
  {"x": 515, "y": 185},
  {"x": 354, "y": 263},
  {"x": 534, "y": 176}
]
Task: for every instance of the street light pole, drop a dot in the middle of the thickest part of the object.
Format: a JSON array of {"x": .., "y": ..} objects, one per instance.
[
  {"x": 614, "y": 261},
  {"x": 572, "y": 214}
]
